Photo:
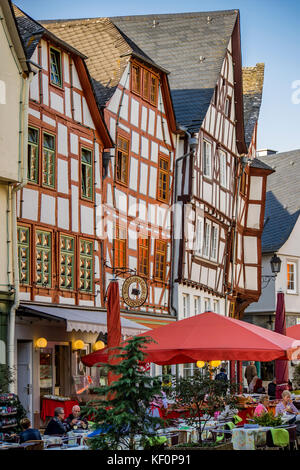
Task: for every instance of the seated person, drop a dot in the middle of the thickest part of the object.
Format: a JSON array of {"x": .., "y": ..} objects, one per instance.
[
  {"x": 158, "y": 402},
  {"x": 28, "y": 433},
  {"x": 222, "y": 375},
  {"x": 262, "y": 407},
  {"x": 287, "y": 409},
  {"x": 56, "y": 426},
  {"x": 272, "y": 389},
  {"x": 256, "y": 385},
  {"x": 75, "y": 421}
]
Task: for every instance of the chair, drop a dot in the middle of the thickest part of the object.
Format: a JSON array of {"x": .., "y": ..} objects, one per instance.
[{"x": 33, "y": 445}]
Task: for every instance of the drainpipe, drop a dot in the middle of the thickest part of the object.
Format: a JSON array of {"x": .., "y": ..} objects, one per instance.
[{"x": 23, "y": 138}]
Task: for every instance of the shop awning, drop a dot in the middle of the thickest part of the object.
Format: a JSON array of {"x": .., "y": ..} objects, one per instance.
[{"x": 94, "y": 321}]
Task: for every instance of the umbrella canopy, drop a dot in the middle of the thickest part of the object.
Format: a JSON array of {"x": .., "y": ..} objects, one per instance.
[
  {"x": 210, "y": 336},
  {"x": 281, "y": 367},
  {"x": 293, "y": 331}
]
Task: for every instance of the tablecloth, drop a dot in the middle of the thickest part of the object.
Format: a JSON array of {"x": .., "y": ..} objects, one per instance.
[
  {"x": 49, "y": 405},
  {"x": 248, "y": 439}
]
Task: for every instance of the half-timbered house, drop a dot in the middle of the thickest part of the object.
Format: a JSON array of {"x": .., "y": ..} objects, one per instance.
[
  {"x": 60, "y": 255},
  {"x": 134, "y": 93}
]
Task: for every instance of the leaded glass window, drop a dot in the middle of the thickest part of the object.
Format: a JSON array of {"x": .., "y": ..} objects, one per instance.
[
  {"x": 24, "y": 255},
  {"x": 86, "y": 266},
  {"x": 67, "y": 258},
  {"x": 43, "y": 258}
]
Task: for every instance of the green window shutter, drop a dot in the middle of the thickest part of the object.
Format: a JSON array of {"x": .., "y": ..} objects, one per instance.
[
  {"x": 33, "y": 155},
  {"x": 24, "y": 255},
  {"x": 66, "y": 262},
  {"x": 86, "y": 174},
  {"x": 43, "y": 258},
  {"x": 48, "y": 171},
  {"x": 86, "y": 266}
]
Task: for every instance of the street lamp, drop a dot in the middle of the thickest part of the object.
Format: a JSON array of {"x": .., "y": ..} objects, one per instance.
[{"x": 275, "y": 268}]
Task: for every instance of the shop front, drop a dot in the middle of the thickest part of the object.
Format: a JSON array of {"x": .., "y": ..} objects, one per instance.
[{"x": 50, "y": 341}]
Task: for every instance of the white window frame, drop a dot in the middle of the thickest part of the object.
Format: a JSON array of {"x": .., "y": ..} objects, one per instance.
[
  {"x": 227, "y": 109},
  {"x": 206, "y": 239},
  {"x": 199, "y": 236},
  {"x": 294, "y": 290},
  {"x": 207, "y": 161},
  {"x": 223, "y": 168},
  {"x": 214, "y": 242},
  {"x": 207, "y": 304},
  {"x": 197, "y": 304},
  {"x": 216, "y": 306},
  {"x": 185, "y": 305},
  {"x": 188, "y": 370}
]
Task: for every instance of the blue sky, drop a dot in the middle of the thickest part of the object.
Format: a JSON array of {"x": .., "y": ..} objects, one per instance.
[{"x": 270, "y": 33}]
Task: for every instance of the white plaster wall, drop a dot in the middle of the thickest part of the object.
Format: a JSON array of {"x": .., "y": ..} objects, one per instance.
[
  {"x": 56, "y": 102},
  {"x": 62, "y": 139},
  {"x": 75, "y": 222},
  {"x": 77, "y": 107},
  {"x": 134, "y": 116},
  {"x": 48, "y": 209},
  {"x": 133, "y": 173},
  {"x": 62, "y": 176},
  {"x": 63, "y": 213},
  {"x": 256, "y": 187},
  {"x": 30, "y": 204},
  {"x": 45, "y": 81},
  {"x": 87, "y": 220}
]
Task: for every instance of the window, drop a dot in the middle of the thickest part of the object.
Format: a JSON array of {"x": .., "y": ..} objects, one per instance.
[
  {"x": 67, "y": 261},
  {"x": 136, "y": 79},
  {"x": 24, "y": 255},
  {"x": 197, "y": 304},
  {"x": 214, "y": 243},
  {"x": 223, "y": 168},
  {"x": 206, "y": 240},
  {"x": 207, "y": 305},
  {"x": 55, "y": 67},
  {"x": 185, "y": 305},
  {"x": 144, "y": 256},
  {"x": 122, "y": 160},
  {"x": 144, "y": 83},
  {"x": 86, "y": 174},
  {"x": 291, "y": 278},
  {"x": 199, "y": 236},
  {"x": 160, "y": 260},
  {"x": 188, "y": 370},
  {"x": 86, "y": 266},
  {"x": 120, "y": 248},
  {"x": 43, "y": 258},
  {"x": 216, "y": 306},
  {"x": 48, "y": 170},
  {"x": 163, "y": 179},
  {"x": 207, "y": 159},
  {"x": 33, "y": 155},
  {"x": 228, "y": 107}
]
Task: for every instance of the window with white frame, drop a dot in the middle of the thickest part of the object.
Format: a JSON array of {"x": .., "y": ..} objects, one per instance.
[
  {"x": 185, "y": 305},
  {"x": 207, "y": 305},
  {"x": 206, "y": 240},
  {"x": 197, "y": 304},
  {"x": 291, "y": 277},
  {"x": 199, "y": 236},
  {"x": 188, "y": 370},
  {"x": 214, "y": 243},
  {"x": 223, "y": 168},
  {"x": 206, "y": 159},
  {"x": 216, "y": 306}
]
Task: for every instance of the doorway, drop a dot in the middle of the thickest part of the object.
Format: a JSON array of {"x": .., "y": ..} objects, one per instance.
[
  {"x": 24, "y": 375},
  {"x": 55, "y": 376}
]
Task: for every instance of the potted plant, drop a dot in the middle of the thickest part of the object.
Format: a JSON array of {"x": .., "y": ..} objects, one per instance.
[
  {"x": 204, "y": 396},
  {"x": 267, "y": 419},
  {"x": 124, "y": 413}
]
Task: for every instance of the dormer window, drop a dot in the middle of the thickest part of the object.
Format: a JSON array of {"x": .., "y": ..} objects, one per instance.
[
  {"x": 228, "y": 107},
  {"x": 55, "y": 67},
  {"x": 144, "y": 83}
]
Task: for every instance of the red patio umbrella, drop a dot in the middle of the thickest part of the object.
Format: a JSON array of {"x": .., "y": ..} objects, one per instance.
[
  {"x": 281, "y": 367},
  {"x": 210, "y": 336},
  {"x": 293, "y": 332}
]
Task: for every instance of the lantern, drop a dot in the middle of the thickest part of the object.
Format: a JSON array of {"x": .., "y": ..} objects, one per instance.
[
  {"x": 200, "y": 364},
  {"x": 41, "y": 343},
  {"x": 78, "y": 344},
  {"x": 98, "y": 345},
  {"x": 214, "y": 363}
]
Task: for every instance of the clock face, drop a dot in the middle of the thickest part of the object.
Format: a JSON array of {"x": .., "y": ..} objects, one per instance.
[{"x": 134, "y": 291}]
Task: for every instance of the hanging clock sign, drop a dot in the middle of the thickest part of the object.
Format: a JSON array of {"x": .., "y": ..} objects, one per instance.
[{"x": 134, "y": 291}]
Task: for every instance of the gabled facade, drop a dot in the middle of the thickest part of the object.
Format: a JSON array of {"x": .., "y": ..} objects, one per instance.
[
  {"x": 138, "y": 188},
  {"x": 216, "y": 258}
]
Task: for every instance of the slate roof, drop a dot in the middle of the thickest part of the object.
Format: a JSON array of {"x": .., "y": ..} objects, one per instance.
[
  {"x": 282, "y": 200},
  {"x": 256, "y": 163},
  {"x": 253, "y": 80},
  {"x": 174, "y": 41},
  {"x": 107, "y": 48}
]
